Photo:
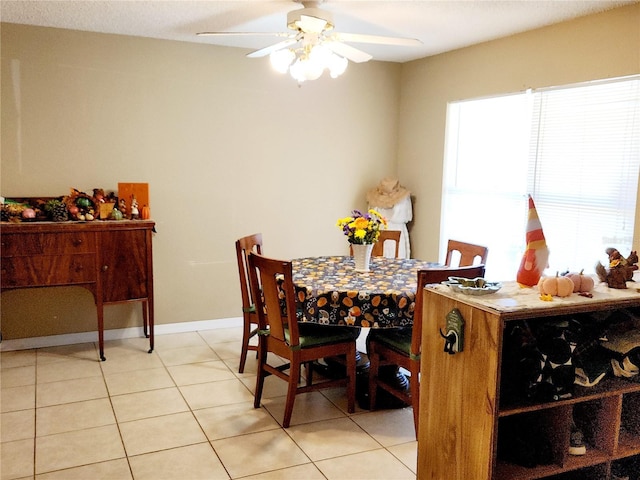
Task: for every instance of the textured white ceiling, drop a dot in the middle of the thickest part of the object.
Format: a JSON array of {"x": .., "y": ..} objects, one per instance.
[{"x": 442, "y": 25}]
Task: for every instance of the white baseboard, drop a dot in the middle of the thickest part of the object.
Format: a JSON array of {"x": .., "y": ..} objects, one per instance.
[{"x": 116, "y": 334}]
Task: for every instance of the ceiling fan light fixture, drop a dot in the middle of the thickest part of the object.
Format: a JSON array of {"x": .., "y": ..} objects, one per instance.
[{"x": 308, "y": 63}]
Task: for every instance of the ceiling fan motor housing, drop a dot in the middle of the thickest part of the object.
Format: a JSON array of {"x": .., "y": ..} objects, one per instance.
[{"x": 295, "y": 20}]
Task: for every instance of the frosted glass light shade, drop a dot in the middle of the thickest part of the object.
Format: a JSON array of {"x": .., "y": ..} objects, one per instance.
[
  {"x": 337, "y": 65},
  {"x": 306, "y": 69},
  {"x": 281, "y": 59}
]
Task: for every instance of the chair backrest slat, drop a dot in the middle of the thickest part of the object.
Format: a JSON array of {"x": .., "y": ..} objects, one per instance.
[
  {"x": 390, "y": 235},
  {"x": 378, "y": 247},
  {"x": 468, "y": 253}
]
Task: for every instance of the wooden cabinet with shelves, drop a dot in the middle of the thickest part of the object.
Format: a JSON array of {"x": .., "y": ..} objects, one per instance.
[
  {"x": 467, "y": 432},
  {"x": 112, "y": 259}
]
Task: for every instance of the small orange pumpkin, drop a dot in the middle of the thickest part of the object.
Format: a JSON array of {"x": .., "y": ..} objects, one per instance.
[
  {"x": 557, "y": 286},
  {"x": 581, "y": 282},
  {"x": 145, "y": 213}
]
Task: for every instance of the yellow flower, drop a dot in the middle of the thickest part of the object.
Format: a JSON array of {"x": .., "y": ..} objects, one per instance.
[
  {"x": 361, "y": 223},
  {"x": 359, "y": 233}
]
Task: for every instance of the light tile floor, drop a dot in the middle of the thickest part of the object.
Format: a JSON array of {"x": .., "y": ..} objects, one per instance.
[{"x": 183, "y": 412}]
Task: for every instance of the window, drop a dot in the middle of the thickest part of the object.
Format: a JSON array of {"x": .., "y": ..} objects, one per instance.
[{"x": 575, "y": 149}]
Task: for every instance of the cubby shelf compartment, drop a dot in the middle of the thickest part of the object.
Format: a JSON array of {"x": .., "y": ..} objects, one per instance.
[
  {"x": 629, "y": 438},
  {"x": 517, "y": 472},
  {"x": 628, "y": 445},
  {"x": 628, "y": 466}
]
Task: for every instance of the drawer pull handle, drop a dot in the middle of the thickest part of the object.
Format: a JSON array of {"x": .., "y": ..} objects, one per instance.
[
  {"x": 77, "y": 241},
  {"x": 105, "y": 268}
]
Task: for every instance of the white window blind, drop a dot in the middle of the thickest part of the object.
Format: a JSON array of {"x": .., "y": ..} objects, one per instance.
[{"x": 575, "y": 149}]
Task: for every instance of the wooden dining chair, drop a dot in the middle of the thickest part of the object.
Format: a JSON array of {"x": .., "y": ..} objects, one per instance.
[
  {"x": 245, "y": 245},
  {"x": 402, "y": 346},
  {"x": 468, "y": 253},
  {"x": 378, "y": 247},
  {"x": 386, "y": 235},
  {"x": 297, "y": 343}
]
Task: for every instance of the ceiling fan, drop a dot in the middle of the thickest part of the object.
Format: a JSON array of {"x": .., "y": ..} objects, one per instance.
[{"x": 311, "y": 45}]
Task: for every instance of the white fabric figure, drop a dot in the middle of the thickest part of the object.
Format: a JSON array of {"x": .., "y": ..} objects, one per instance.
[{"x": 393, "y": 201}]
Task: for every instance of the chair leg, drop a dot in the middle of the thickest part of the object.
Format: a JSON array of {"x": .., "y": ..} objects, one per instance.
[
  {"x": 246, "y": 335},
  {"x": 414, "y": 387},
  {"x": 374, "y": 365},
  {"x": 262, "y": 359},
  {"x": 309, "y": 366},
  {"x": 351, "y": 386},
  {"x": 294, "y": 375}
]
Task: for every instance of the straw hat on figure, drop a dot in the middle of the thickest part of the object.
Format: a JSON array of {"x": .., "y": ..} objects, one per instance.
[{"x": 393, "y": 201}]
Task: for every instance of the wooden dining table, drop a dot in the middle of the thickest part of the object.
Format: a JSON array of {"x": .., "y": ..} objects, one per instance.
[{"x": 330, "y": 291}]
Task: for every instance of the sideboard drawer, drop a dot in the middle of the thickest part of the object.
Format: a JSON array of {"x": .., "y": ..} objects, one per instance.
[
  {"x": 48, "y": 270},
  {"x": 18, "y": 245}
]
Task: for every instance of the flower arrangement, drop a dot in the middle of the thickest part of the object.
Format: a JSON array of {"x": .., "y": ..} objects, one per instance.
[{"x": 362, "y": 228}]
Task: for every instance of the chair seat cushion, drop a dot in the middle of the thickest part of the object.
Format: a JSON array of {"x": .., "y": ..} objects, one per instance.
[
  {"x": 398, "y": 339},
  {"x": 312, "y": 334}
]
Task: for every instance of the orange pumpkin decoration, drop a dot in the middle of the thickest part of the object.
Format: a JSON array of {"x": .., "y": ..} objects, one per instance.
[
  {"x": 581, "y": 282},
  {"x": 557, "y": 286},
  {"x": 145, "y": 213}
]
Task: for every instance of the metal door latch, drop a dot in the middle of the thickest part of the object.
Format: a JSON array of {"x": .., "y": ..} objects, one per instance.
[{"x": 454, "y": 336}]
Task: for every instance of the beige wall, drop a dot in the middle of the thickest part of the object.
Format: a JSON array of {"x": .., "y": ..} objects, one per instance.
[
  {"x": 594, "y": 47},
  {"x": 228, "y": 147}
]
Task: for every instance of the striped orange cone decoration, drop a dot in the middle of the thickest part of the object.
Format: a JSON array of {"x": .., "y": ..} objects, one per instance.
[{"x": 536, "y": 256}]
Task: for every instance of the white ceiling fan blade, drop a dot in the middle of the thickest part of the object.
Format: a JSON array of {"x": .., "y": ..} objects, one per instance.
[
  {"x": 348, "y": 52},
  {"x": 239, "y": 34},
  {"x": 378, "y": 39},
  {"x": 263, "y": 52}
]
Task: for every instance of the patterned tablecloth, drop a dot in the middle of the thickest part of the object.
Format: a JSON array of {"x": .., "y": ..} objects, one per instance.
[{"x": 330, "y": 291}]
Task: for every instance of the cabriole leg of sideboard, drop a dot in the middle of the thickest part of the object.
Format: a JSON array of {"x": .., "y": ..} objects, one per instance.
[
  {"x": 100, "y": 308},
  {"x": 147, "y": 321}
]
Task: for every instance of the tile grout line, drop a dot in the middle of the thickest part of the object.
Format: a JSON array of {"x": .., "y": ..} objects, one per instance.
[
  {"x": 192, "y": 411},
  {"x": 115, "y": 417}
]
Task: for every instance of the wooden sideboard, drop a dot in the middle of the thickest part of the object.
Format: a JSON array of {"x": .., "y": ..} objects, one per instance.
[
  {"x": 112, "y": 259},
  {"x": 464, "y": 419}
]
